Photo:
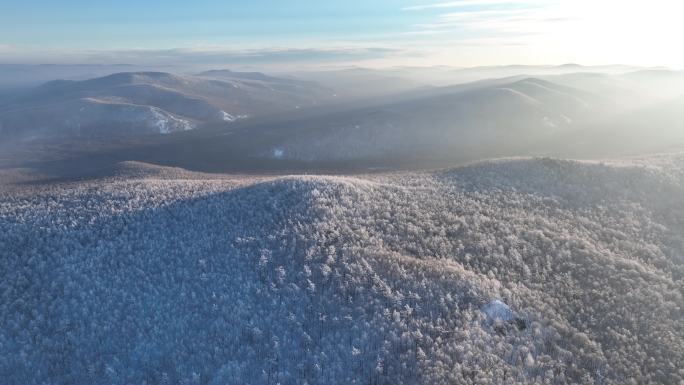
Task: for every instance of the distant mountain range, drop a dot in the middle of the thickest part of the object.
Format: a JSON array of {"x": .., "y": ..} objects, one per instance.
[
  {"x": 227, "y": 120},
  {"x": 151, "y": 102},
  {"x": 440, "y": 121}
]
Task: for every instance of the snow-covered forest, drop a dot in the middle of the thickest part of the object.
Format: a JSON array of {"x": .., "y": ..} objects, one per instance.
[{"x": 521, "y": 271}]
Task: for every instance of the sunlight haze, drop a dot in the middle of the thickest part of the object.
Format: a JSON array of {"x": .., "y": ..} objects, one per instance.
[{"x": 377, "y": 33}]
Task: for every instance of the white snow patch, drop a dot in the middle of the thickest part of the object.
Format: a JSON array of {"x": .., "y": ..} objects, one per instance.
[
  {"x": 167, "y": 123},
  {"x": 497, "y": 309},
  {"x": 228, "y": 117}
]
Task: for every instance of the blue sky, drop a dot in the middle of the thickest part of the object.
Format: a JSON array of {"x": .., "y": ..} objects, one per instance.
[
  {"x": 126, "y": 24},
  {"x": 373, "y": 32}
]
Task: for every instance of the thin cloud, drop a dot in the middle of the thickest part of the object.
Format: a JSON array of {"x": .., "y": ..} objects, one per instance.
[
  {"x": 490, "y": 18},
  {"x": 220, "y": 55},
  {"x": 454, "y": 4}
]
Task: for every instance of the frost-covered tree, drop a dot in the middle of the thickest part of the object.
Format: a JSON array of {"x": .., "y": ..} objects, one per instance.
[{"x": 508, "y": 272}]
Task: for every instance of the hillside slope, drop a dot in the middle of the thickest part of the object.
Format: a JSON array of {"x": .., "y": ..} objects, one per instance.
[
  {"x": 503, "y": 118},
  {"x": 514, "y": 271},
  {"x": 150, "y": 102}
]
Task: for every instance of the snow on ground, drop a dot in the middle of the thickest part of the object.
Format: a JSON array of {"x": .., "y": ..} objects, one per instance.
[
  {"x": 167, "y": 123},
  {"x": 228, "y": 117},
  {"x": 497, "y": 310},
  {"x": 389, "y": 279}
]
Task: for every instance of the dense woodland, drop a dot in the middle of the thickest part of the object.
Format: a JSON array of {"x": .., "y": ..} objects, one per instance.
[{"x": 528, "y": 271}]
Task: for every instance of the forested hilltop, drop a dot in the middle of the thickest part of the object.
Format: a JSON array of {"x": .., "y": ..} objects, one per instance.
[{"x": 521, "y": 271}]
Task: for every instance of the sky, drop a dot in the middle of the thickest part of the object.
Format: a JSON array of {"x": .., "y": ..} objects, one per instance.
[{"x": 350, "y": 32}]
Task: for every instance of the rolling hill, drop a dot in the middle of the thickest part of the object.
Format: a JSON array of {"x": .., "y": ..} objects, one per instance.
[
  {"x": 150, "y": 102},
  {"x": 517, "y": 271},
  {"x": 98, "y": 122},
  {"x": 486, "y": 118}
]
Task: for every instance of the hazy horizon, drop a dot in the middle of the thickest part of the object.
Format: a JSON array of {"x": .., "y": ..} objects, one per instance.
[{"x": 272, "y": 34}]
